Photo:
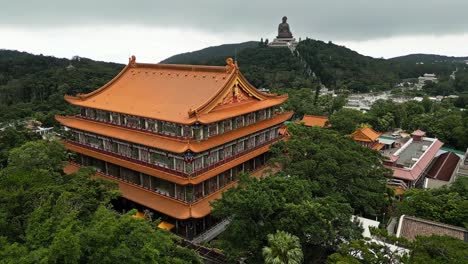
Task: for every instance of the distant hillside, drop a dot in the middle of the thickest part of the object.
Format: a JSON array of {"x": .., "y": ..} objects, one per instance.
[
  {"x": 202, "y": 56},
  {"x": 427, "y": 58},
  {"x": 335, "y": 66},
  {"x": 34, "y": 85}
]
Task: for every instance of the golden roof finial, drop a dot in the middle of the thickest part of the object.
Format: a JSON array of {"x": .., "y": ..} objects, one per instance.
[
  {"x": 132, "y": 61},
  {"x": 231, "y": 65}
]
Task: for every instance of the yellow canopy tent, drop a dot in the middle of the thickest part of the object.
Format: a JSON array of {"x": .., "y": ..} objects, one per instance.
[{"x": 166, "y": 225}]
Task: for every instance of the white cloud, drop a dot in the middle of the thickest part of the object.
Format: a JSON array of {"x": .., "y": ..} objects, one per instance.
[
  {"x": 450, "y": 45},
  {"x": 112, "y": 43},
  {"x": 153, "y": 44}
]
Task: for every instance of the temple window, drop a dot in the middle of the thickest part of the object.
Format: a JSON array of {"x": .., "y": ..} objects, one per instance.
[
  {"x": 198, "y": 191},
  {"x": 186, "y": 132},
  {"x": 135, "y": 152},
  {"x": 151, "y": 125},
  {"x": 188, "y": 168},
  {"x": 132, "y": 121},
  {"x": 125, "y": 150},
  {"x": 197, "y": 132},
  {"x": 179, "y": 164},
  {"x": 102, "y": 116},
  {"x": 130, "y": 175},
  {"x": 205, "y": 131},
  {"x": 213, "y": 129},
  {"x": 227, "y": 125},
  {"x": 260, "y": 139},
  {"x": 144, "y": 155},
  {"x": 250, "y": 119},
  {"x": 163, "y": 187},
  {"x": 228, "y": 151},
  {"x": 239, "y": 121},
  {"x": 146, "y": 181},
  {"x": 212, "y": 157},
  {"x": 221, "y": 154},
  {"x": 273, "y": 134},
  {"x": 250, "y": 142},
  {"x": 91, "y": 113},
  {"x": 169, "y": 128},
  {"x": 94, "y": 142},
  {"x": 180, "y": 192},
  {"x": 261, "y": 115},
  {"x": 240, "y": 146},
  {"x": 142, "y": 123},
  {"x": 198, "y": 163},
  {"x": 115, "y": 118},
  {"x": 160, "y": 159}
]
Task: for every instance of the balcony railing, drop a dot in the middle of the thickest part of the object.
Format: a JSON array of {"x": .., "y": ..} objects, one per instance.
[
  {"x": 134, "y": 128},
  {"x": 172, "y": 171}
]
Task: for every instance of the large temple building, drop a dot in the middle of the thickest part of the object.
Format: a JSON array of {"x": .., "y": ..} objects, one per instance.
[{"x": 174, "y": 137}]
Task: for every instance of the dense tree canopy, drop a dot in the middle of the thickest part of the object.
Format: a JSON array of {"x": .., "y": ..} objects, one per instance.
[
  {"x": 260, "y": 207},
  {"x": 447, "y": 204},
  {"x": 424, "y": 250},
  {"x": 325, "y": 179},
  {"x": 12, "y": 137},
  {"x": 335, "y": 164},
  {"x": 49, "y": 217},
  {"x": 34, "y": 86}
]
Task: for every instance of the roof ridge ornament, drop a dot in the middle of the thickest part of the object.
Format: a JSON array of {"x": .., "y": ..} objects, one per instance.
[
  {"x": 231, "y": 65},
  {"x": 132, "y": 61}
]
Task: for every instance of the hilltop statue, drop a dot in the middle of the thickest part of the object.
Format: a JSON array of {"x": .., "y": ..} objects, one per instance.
[
  {"x": 283, "y": 29},
  {"x": 284, "y": 39}
]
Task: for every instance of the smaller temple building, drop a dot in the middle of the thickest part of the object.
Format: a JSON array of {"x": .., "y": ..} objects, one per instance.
[
  {"x": 412, "y": 160},
  {"x": 312, "y": 120}
]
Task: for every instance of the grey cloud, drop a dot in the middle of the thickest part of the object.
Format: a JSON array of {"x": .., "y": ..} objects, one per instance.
[{"x": 328, "y": 20}]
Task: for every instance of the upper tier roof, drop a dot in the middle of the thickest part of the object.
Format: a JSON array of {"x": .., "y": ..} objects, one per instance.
[{"x": 178, "y": 93}]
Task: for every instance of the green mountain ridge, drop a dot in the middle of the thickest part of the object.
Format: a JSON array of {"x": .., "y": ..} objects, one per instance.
[
  {"x": 337, "y": 67},
  {"x": 203, "y": 55},
  {"x": 34, "y": 85}
]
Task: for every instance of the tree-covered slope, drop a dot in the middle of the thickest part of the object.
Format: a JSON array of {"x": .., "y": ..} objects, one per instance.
[
  {"x": 35, "y": 84},
  {"x": 335, "y": 66},
  {"x": 203, "y": 55},
  {"x": 427, "y": 58}
]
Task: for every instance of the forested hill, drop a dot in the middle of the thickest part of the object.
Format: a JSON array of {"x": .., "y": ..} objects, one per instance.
[
  {"x": 204, "y": 55},
  {"x": 336, "y": 66},
  {"x": 34, "y": 85},
  {"x": 428, "y": 58}
]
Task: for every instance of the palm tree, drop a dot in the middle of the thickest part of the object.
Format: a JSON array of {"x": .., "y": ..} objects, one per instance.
[{"x": 283, "y": 248}]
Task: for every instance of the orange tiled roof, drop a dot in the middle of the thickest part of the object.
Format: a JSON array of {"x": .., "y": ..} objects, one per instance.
[
  {"x": 177, "y": 93},
  {"x": 167, "y": 143},
  {"x": 311, "y": 120},
  {"x": 378, "y": 146},
  {"x": 365, "y": 134},
  {"x": 418, "y": 133}
]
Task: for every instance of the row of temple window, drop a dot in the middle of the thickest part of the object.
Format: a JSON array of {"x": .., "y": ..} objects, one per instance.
[
  {"x": 177, "y": 162},
  {"x": 186, "y": 193},
  {"x": 177, "y": 130}
]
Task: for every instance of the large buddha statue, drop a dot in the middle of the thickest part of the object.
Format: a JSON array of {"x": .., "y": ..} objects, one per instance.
[{"x": 283, "y": 29}]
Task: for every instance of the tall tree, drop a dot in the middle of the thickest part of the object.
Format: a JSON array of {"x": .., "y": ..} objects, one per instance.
[
  {"x": 283, "y": 248},
  {"x": 335, "y": 165}
]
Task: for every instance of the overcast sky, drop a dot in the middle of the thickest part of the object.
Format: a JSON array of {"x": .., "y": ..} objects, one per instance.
[{"x": 112, "y": 30}]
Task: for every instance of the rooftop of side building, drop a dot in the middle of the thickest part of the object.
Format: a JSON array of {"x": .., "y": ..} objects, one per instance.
[{"x": 313, "y": 120}]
